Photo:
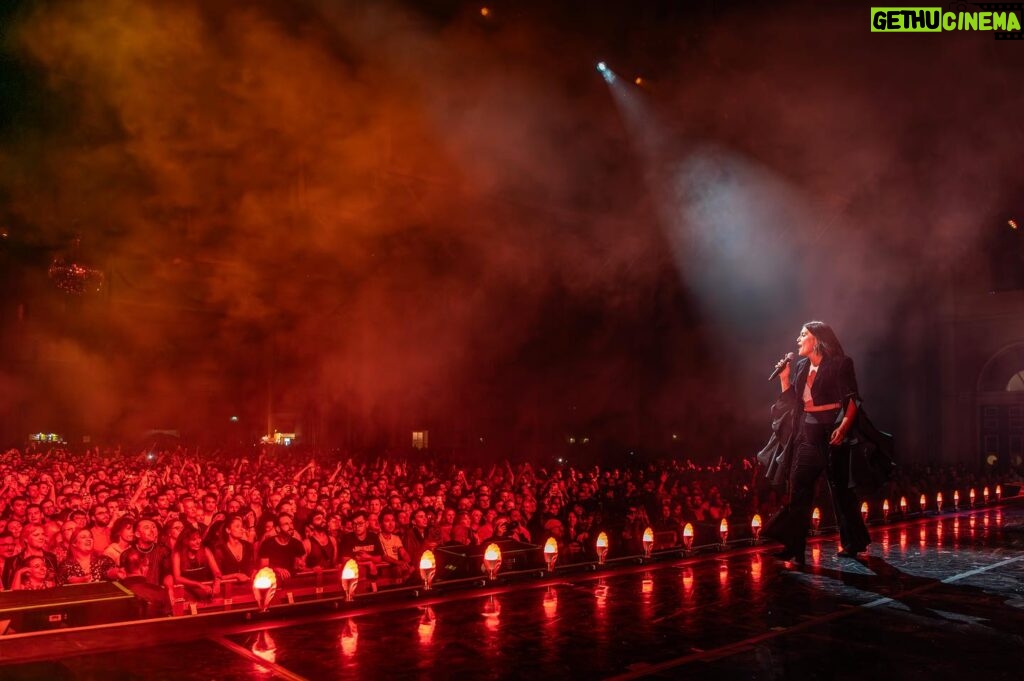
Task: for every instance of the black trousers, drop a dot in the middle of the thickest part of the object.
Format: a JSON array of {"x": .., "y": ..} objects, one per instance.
[{"x": 811, "y": 456}]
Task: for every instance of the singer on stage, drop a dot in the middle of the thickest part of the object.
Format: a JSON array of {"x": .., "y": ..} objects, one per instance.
[{"x": 819, "y": 393}]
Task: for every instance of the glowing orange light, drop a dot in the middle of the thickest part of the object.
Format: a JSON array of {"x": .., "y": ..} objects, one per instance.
[
  {"x": 485, "y": 12},
  {"x": 349, "y": 638},
  {"x": 903, "y": 505},
  {"x": 648, "y": 542},
  {"x": 602, "y": 547},
  {"x": 999, "y": 492},
  {"x": 755, "y": 568},
  {"x": 984, "y": 494},
  {"x": 647, "y": 584},
  {"x": 428, "y": 622},
  {"x": 938, "y": 502},
  {"x": 688, "y": 536},
  {"x": 687, "y": 581},
  {"x": 815, "y": 518},
  {"x": 864, "y": 511},
  {"x": 492, "y": 560},
  {"x": 924, "y": 502},
  {"x": 723, "y": 530},
  {"x": 755, "y": 526},
  {"x": 264, "y": 586},
  {"x": 551, "y": 553},
  {"x": 264, "y": 647},
  {"x": 1012, "y": 223},
  {"x": 956, "y": 499},
  {"x": 639, "y": 80},
  {"x": 885, "y": 509},
  {"x": 492, "y": 610},
  {"x": 971, "y": 495},
  {"x": 349, "y": 578},
  {"x": 428, "y": 568},
  {"x": 550, "y": 603}
]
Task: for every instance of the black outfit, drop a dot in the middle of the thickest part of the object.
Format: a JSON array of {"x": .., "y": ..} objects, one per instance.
[
  {"x": 282, "y": 556},
  {"x": 321, "y": 555},
  {"x": 230, "y": 565},
  {"x": 808, "y": 439}
]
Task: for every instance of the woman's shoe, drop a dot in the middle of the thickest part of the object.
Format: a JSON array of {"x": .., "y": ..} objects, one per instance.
[
  {"x": 791, "y": 557},
  {"x": 851, "y": 553}
]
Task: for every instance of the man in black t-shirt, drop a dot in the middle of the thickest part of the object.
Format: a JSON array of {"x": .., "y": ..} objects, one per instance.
[
  {"x": 283, "y": 551},
  {"x": 362, "y": 545}
]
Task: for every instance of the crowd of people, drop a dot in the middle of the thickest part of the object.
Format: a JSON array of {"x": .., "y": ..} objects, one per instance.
[{"x": 156, "y": 520}]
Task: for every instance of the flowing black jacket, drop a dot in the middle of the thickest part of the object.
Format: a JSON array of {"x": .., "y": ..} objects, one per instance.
[{"x": 869, "y": 450}]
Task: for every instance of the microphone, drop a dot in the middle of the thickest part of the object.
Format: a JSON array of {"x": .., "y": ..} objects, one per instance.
[{"x": 785, "y": 360}]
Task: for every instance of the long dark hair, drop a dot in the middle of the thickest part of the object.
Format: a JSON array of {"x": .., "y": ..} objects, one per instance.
[{"x": 826, "y": 342}]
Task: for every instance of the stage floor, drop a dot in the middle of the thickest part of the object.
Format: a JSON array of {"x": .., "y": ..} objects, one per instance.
[{"x": 938, "y": 598}]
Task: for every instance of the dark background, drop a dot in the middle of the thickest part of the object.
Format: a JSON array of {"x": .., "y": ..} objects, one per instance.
[{"x": 358, "y": 219}]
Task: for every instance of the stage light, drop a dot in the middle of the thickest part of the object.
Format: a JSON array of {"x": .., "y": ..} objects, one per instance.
[
  {"x": 428, "y": 568},
  {"x": 970, "y": 496},
  {"x": 609, "y": 77},
  {"x": 688, "y": 536},
  {"x": 815, "y": 519},
  {"x": 602, "y": 547},
  {"x": 755, "y": 527},
  {"x": 492, "y": 560},
  {"x": 885, "y": 510},
  {"x": 648, "y": 542},
  {"x": 984, "y": 494},
  {"x": 723, "y": 531},
  {"x": 639, "y": 81},
  {"x": 956, "y": 500},
  {"x": 938, "y": 502},
  {"x": 349, "y": 578},
  {"x": 864, "y": 511},
  {"x": 903, "y": 505},
  {"x": 264, "y": 586},
  {"x": 551, "y": 553},
  {"x": 924, "y": 503},
  {"x": 1012, "y": 223},
  {"x": 485, "y": 12},
  {"x": 999, "y": 492}
]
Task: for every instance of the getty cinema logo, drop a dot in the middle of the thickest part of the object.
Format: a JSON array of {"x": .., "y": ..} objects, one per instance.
[{"x": 999, "y": 17}]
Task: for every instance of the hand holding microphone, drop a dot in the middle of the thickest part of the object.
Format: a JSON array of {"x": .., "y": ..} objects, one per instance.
[{"x": 783, "y": 365}]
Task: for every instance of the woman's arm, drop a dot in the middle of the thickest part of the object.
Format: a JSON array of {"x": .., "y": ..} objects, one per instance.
[
  {"x": 839, "y": 434},
  {"x": 849, "y": 396}
]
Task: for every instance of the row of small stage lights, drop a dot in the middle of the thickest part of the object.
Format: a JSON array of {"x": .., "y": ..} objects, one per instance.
[{"x": 264, "y": 584}]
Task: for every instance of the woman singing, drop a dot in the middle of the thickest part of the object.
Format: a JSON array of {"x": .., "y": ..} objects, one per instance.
[{"x": 822, "y": 391}]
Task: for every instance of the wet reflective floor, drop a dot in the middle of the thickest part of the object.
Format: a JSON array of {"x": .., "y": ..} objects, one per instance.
[{"x": 940, "y": 599}]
